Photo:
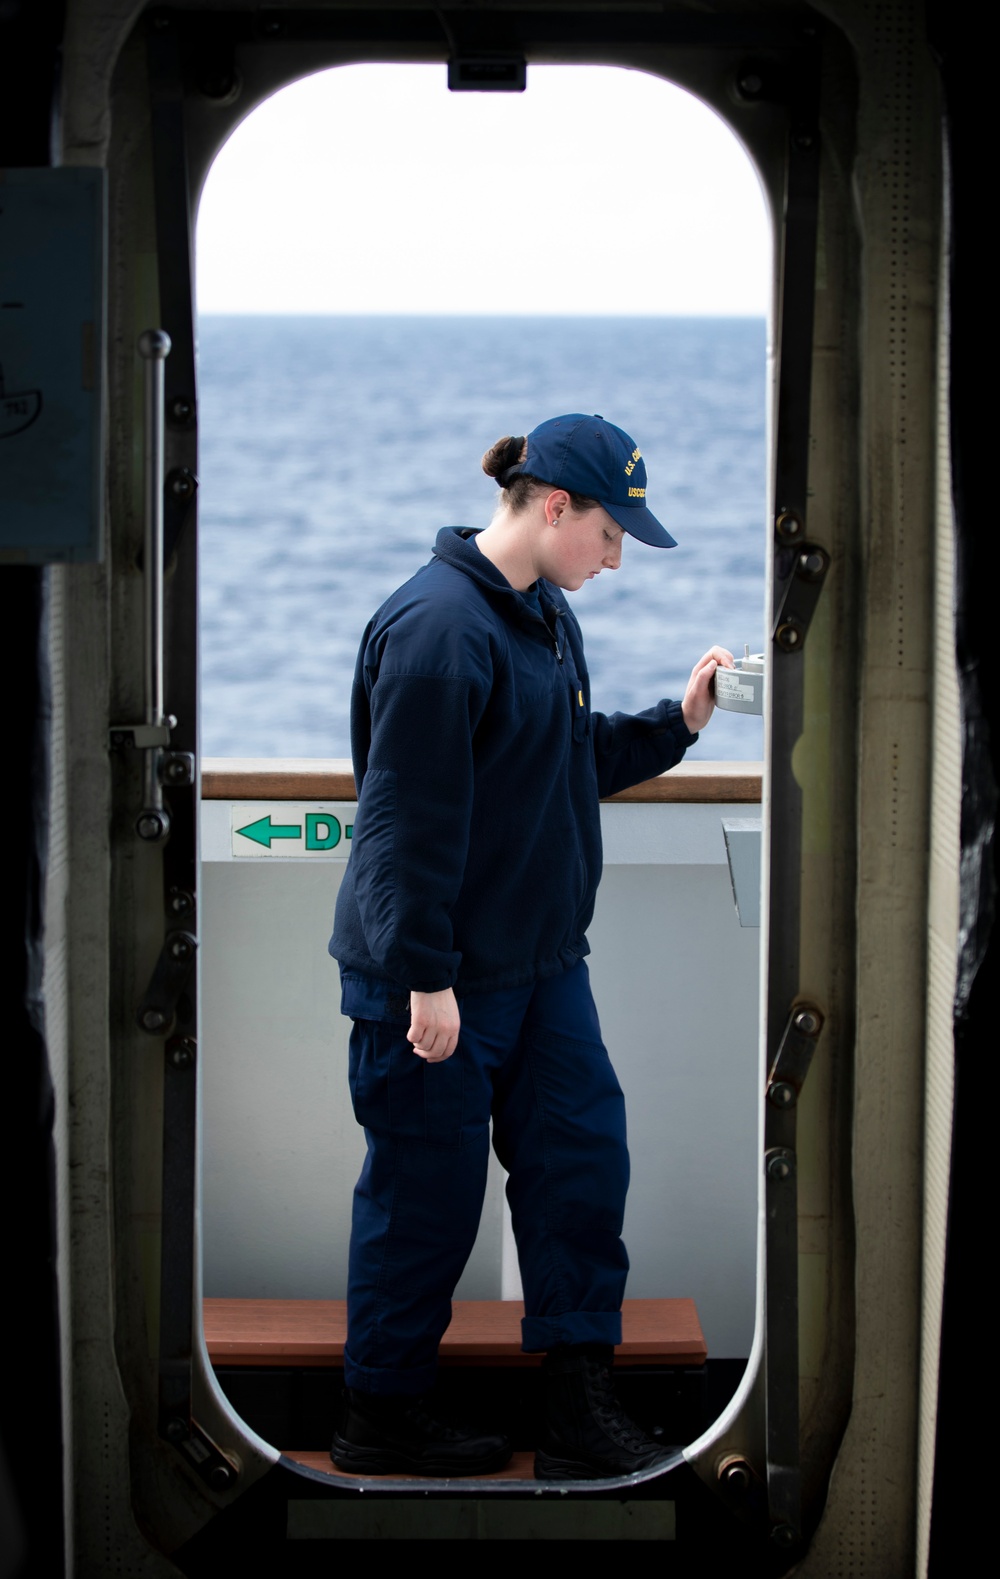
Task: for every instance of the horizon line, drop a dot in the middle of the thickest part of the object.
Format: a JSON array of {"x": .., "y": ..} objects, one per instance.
[{"x": 270, "y": 312}]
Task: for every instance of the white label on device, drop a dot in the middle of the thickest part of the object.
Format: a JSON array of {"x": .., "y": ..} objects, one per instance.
[{"x": 726, "y": 684}]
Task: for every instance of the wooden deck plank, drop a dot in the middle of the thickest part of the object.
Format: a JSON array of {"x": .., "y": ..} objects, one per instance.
[
  {"x": 521, "y": 1467},
  {"x": 311, "y": 1333},
  {"x": 331, "y": 778}
]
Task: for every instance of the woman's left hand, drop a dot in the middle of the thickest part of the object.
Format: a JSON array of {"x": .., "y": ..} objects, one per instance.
[{"x": 699, "y": 698}]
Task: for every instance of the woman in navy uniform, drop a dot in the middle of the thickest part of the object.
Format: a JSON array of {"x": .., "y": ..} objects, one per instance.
[{"x": 461, "y": 937}]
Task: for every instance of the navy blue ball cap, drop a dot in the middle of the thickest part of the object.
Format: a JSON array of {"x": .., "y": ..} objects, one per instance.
[{"x": 590, "y": 456}]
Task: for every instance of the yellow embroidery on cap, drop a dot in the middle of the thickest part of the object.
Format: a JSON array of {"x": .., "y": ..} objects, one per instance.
[
  {"x": 637, "y": 493},
  {"x": 580, "y": 695}
]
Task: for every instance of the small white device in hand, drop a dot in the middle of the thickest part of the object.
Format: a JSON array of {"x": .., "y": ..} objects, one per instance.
[{"x": 741, "y": 689}]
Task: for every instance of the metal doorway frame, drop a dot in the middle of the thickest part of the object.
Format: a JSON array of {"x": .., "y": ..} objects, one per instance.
[{"x": 206, "y": 71}]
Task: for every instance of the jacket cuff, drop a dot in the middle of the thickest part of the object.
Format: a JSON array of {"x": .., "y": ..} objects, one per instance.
[{"x": 678, "y": 728}]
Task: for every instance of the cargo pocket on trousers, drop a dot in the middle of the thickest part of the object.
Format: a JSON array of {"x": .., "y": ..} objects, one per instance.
[
  {"x": 368, "y": 1074},
  {"x": 396, "y": 1093},
  {"x": 426, "y": 1100}
]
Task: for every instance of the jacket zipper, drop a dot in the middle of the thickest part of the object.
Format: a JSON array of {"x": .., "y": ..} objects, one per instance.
[{"x": 552, "y": 630}]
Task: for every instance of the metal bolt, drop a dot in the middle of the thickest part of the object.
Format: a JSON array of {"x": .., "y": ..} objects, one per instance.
[
  {"x": 220, "y": 1477},
  {"x": 803, "y": 141},
  {"x": 750, "y": 84},
  {"x": 182, "y": 1053},
  {"x": 779, "y": 1167},
  {"x": 812, "y": 564},
  {"x": 735, "y": 1474},
  {"x": 220, "y": 84},
  {"x": 180, "y": 902},
  {"x": 783, "y": 1535},
  {"x": 789, "y": 636},
  {"x": 181, "y": 947},
  {"x": 182, "y": 483},
  {"x": 781, "y": 1094},
  {"x": 808, "y": 1022},
  {"x": 181, "y": 409},
  {"x": 788, "y": 526},
  {"x": 176, "y": 1430},
  {"x": 177, "y": 770},
  {"x": 153, "y": 1020},
  {"x": 151, "y": 825}
]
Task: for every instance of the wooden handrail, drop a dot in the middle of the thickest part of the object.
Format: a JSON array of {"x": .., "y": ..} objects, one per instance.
[
  {"x": 331, "y": 778},
  {"x": 277, "y": 778},
  {"x": 698, "y": 783}
]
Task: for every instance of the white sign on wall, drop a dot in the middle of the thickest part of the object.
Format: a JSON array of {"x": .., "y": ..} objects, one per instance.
[{"x": 293, "y": 828}]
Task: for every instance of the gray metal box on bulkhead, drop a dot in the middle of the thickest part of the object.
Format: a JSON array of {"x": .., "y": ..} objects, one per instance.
[
  {"x": 743, "y": 842},
  {"x": 741, "y": 690},
  {"x": 52, "y": 294}
]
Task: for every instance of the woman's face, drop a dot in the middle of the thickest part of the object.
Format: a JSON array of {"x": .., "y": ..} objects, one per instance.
[{"x": 579, "y": 547}]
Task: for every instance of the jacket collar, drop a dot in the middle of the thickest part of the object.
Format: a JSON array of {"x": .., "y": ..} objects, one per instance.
[{"x": 455, "y": 546}]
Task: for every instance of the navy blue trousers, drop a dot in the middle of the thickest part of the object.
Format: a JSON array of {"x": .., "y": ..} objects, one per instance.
[{"x": 531, "y": 1058}]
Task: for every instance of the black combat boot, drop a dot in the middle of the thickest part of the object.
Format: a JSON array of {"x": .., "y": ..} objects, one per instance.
[
  {"x": 398, "y": 1435},
  {"x": 587, "y": 1434}
]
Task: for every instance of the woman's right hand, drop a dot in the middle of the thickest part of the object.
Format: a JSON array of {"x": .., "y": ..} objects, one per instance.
[
  {"x": 699, "y": 698},
  {"x": 434, "y": 1024}
]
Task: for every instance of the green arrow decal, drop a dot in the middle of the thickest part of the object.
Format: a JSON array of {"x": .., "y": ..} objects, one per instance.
[{"x": 263, "y": 831}]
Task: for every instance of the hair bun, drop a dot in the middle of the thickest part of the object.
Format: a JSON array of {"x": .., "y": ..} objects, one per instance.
[{"x": 505, "y": 453}]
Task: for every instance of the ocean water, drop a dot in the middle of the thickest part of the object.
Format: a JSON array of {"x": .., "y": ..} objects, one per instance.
[{"x": 333, "y": 449}]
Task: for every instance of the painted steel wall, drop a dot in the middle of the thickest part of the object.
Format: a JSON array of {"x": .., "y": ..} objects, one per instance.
[{"x": 675, "y": 978}]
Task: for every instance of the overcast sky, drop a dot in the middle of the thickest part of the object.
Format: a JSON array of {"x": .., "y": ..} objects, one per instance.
[{"x": 373, "y": 189}]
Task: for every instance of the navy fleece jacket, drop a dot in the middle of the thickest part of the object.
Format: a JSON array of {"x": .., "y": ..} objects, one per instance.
[{"x": 476, "y": 850}]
